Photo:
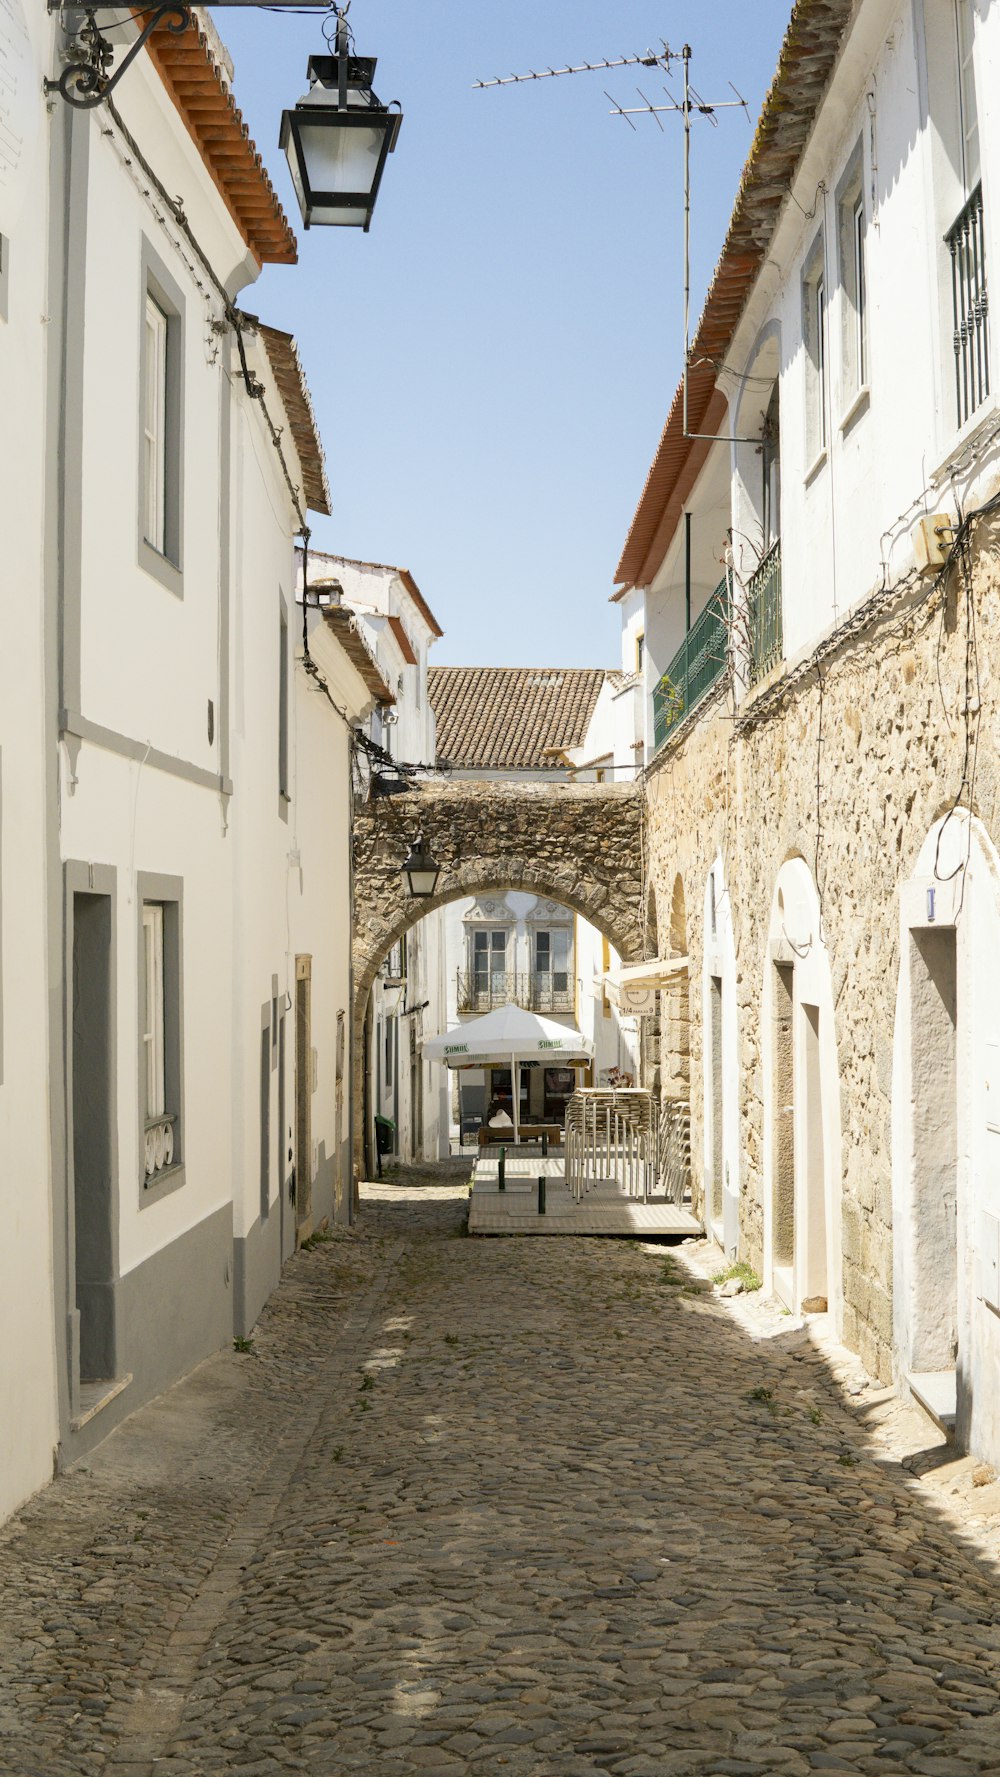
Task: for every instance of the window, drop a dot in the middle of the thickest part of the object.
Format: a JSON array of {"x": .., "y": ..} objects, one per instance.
[
  {"x": 152, "y": 1036},
  {"x": 160, "y": 422},
  {"x": 853, "y": 282},
  {"x": 154, "y": 426},
  {"x": 860, "y": 294},
  {"x": 552, "y": 950},
  {"x": 283, "y": 790},
  {"x": 814, "y": 336},
  {"x": 160, "y": 1031},
  {"x": 966, "y": 238},
  {"x": 968, "y": 108},
  {"x": 489, "y": 961},
  {"x": 770, "y": 462}
]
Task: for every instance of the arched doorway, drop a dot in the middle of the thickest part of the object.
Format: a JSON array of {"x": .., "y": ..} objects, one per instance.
[
  {"x": 946, "y": 1133},
  {"x": 802, "y": 1159}
]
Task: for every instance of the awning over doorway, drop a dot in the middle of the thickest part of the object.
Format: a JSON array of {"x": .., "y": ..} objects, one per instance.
[{"x": 632, "y": 987}]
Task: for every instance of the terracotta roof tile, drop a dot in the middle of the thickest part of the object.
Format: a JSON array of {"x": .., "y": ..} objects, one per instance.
[
  {"x": 405, "y": 645},
  {"x": 496, "y": 718},
  {"x": 341, "y": 624},
  {"x": 809, "y": 52},
  {"x": 286, "y": 366},
  {"x": 199, "y": 88}
]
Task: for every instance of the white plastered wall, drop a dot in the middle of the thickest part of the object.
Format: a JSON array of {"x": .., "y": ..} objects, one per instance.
[{"x": 27, "y": 1338}]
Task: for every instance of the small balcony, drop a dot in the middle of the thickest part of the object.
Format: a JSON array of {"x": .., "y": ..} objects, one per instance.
[
  {"x": 765, "y": 643},
  {"x": 966, "y": 243},
  {"x": 699, "y": 663},
  {"x": 541, "y": 990}
]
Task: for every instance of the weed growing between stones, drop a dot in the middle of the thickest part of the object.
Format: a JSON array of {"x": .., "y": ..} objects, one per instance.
[
  {"x": 451, "y": 1338},
  {"x": 744, "y": 1273},
  {"x": 764, "y": 1398},
  {"x": 242, "y": 1344},
  {"x": 322, "y": 1237}
]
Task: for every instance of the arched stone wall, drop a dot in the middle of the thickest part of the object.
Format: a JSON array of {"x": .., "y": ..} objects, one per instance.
[{"x": 579, "y": 844}]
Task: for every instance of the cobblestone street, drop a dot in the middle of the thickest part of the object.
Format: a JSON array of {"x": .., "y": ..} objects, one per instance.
[{"x": 503, "y": 1506}]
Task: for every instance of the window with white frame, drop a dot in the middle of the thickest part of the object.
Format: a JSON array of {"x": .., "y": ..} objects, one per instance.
[
  {"x": 489, "y": 960},
  {"x": 154, "y": 417},
  {"x": 159, "y": 1030},
  {"x": 852, "y": 249},
  {"x": 552, "y": 957},
  {"x": 814, "y": 337},
  {"x": 967, "y": 237},
  {"x": 967, "y": 102}
]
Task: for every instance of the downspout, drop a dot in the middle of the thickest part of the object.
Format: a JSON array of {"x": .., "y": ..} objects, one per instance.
[{"x": 687, "y": 573}]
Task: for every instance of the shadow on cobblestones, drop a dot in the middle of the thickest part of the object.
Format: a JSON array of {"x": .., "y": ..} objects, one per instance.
[{"x": 510, "y": 1507}]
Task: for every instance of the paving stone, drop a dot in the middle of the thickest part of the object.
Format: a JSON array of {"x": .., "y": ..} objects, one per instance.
[{"x": 528, "y": 1549}]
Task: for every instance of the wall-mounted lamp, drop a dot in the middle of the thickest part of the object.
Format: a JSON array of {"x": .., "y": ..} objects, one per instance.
[
  {"x": 421, "y": 871},
  {"x": 337, "y": 138}
]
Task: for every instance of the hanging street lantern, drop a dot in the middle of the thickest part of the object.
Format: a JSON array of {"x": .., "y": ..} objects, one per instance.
[
  {"x": 338, "y": 139},
  {"x": 421, "y": 871}
]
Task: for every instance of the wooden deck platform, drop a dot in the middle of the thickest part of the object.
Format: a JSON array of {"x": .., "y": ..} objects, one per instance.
[{"x": 604, "y": 1209}]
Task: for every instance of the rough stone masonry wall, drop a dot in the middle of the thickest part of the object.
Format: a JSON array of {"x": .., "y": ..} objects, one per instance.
[
  {"x": 579, "y": 844},
  {"x": 850, "y": 772}
]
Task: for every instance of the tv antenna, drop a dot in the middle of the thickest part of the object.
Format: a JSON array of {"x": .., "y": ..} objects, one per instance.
[
  {"x": 689, "y": 105},
  {"x": 653, "y": 58}
]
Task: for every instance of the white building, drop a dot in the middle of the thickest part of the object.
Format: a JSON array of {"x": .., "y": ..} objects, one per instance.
[
  {"x": 533, "y": 724},
  {"x": 408, "y": 1000},
  {"x": 175, "y": 805},
  {"x": 811, "y": 563}
]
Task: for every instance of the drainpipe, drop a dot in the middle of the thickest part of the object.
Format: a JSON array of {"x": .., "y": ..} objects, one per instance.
[{"x": 687, "y": 572}]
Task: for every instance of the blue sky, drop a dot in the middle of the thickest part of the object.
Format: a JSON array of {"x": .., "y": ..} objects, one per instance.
[{"x": 492, "y": 364}]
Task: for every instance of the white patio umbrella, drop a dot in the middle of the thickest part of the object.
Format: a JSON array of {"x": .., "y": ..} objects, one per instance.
[{"x": 505, "y": 1038}]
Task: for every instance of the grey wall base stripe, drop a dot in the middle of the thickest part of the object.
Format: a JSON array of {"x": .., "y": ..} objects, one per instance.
[
  {"x": 71, "y": 722},
  {"x": 256, "y": 1269},
  {"x": 172, "y": 1312}
]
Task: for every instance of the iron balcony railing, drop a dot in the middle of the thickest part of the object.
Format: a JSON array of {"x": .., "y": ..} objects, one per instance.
[
  {"x": 966, "y": 242},
  {"x": 764, "y": 633},
  {"x": 541, "y": 990},
  {"x": 699, "y": 662}
]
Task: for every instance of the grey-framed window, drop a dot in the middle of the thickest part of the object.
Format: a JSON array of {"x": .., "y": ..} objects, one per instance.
[
  {"x": 853, "y": 281},
  {"x": 284, "y": 791},
  {"x": 814, "y": 339},
  {"x": 161, "y": 1022},
  {"x": 161, "y": 422}
]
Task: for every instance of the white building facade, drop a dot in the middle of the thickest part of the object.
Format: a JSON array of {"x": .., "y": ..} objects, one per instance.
[
  {"x": 819, "y": 709},
  {"x": 169, "y": 852}
]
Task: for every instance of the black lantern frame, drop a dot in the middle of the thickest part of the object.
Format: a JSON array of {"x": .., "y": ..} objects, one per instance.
[
  {"x": 421, "y": 864},
  {"x": 352, "y": 105}
]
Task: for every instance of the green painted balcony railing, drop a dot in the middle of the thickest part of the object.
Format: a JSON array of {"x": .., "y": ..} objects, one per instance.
[
  {"x": 699, "y": 662},
  {"x": 764, "y": 616}
]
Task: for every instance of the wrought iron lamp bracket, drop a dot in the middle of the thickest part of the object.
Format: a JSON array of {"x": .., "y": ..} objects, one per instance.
[{"x": 86, "y": 81}]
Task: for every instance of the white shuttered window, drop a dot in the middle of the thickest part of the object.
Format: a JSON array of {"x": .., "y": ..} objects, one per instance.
[
  {"x": 155, "y": 426},
  {"x": 152, "y": 1035}
]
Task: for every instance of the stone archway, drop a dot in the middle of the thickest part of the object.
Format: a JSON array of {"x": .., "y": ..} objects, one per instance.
[{"x": 579, "y": 844}]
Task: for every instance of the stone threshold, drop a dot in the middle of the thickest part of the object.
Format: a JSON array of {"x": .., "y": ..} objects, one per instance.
[{"x": 95, "y": 1396}]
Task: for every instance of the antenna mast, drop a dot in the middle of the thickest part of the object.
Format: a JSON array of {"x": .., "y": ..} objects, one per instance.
[{"x": 691, "y": 102}]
